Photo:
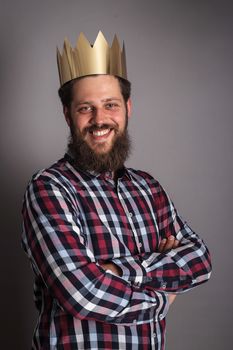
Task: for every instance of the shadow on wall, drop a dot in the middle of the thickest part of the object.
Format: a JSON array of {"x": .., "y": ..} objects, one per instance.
[{"x": 17, "y": 307}]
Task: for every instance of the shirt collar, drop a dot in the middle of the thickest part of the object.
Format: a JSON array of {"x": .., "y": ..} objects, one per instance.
[{"x": 108, "y": 175}]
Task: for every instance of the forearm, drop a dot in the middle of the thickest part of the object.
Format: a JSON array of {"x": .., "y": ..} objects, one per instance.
[
  {"x": 182, "y": 268},
  {"x": 176, "y": 270},
  {"x": 185, "y": 265},
  {"x": 93, "y": 293}
]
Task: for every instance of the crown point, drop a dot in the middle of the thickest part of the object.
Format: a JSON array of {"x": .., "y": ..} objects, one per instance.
[
  {"x": 123, "y": 60},
  {"x": 66, "y": 47},
  {"x": 115, "y": 43},
  {"x": 82, "y": 41},
  {"x": 100, "y": 39},
  {"x": 66, "y": 42},
  {"x": 58, "y": 52}
]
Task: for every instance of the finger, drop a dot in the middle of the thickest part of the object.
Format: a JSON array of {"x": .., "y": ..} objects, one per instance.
[
  {"x": 170, "y": 242},
  {"x": 171, "y": 298},
  {"x": 176, "y": 243},
  {"x": 162, "y": 245}
]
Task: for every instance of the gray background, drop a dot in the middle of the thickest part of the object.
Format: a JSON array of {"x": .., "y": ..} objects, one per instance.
[{"x": 180, "y": 61}]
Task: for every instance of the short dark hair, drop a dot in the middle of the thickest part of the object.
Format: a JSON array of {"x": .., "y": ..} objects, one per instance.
[{"x": 66, "y": 90}]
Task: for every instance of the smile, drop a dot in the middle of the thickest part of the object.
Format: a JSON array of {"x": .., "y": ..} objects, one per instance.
[
  {"x": 99, "y": 133},
  {"x": 102, "y": 135}
]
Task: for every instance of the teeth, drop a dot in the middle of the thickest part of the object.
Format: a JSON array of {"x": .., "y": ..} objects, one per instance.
[{"x": 100, "y": 132}]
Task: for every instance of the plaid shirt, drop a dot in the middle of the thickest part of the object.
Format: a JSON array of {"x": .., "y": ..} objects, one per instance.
[{"x": 73, "y": 221}]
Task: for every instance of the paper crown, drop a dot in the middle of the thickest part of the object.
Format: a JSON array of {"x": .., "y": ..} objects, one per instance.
[{"x": 86, "y": 59}]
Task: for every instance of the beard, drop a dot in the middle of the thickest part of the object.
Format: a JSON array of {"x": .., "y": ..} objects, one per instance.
[{"x": 86, "y": 159}]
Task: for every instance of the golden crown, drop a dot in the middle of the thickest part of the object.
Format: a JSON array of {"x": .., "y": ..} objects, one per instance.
[{"x": 87, "y": 59}]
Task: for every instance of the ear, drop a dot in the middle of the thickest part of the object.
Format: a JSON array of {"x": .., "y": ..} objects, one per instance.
[
  {"x": 129, "y": 107},
  {"x": 67, "y": 115}
]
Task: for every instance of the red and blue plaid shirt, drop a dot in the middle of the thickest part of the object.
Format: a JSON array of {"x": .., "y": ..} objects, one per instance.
[{"x": 75, "y": 220}]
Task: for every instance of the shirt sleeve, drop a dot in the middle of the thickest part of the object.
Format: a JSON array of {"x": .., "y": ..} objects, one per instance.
[
  {"x": 56, "y": 246},
  {"x": 176, "y": 270}
]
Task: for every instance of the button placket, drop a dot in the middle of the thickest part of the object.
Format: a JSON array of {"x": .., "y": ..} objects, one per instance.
[
  {"x": 153, "y": 334},
  {"x": 130, "y": 215}
]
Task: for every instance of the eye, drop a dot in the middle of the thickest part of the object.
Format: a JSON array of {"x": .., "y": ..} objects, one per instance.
[
  {"x": 85, "y": 109},
  {"x": 111, "y": 105}
]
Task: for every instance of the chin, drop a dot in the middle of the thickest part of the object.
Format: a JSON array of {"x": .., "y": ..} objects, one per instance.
[{"x": 101, "y": 149}]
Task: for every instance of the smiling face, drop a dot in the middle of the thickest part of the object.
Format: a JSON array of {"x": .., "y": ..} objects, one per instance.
[
  {"x": 98, "y": 111},
  {"x": 98, "y": 117}
]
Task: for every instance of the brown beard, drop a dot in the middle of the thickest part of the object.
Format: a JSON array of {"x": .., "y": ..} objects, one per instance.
[{"x": 88, "y": 160}]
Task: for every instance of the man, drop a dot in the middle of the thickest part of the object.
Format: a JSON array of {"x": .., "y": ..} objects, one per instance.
[{"x": 107, "y": 246}]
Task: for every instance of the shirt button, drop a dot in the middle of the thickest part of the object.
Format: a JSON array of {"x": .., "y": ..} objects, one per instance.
[
  {"x": 130, "y": 215},
  {"x": 164, "y": 285},
  {"x": 154, "y": 335},
  {"x": 161, "y": 317}
]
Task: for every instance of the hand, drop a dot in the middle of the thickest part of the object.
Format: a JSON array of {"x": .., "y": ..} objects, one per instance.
[
  {"x": 111, "y": 266},
  {"x": 171, "y": 298},
  {"x": 168, "y": 243}
]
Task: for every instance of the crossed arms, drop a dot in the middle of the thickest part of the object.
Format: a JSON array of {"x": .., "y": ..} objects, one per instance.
[
  {"x": 130, "y": 289},
  {"x": 165, "y": 245}
]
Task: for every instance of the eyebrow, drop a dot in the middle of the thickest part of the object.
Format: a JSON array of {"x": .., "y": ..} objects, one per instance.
[
  {"x": 111, "y": 99},
  {"x": 91, "y": 102}
]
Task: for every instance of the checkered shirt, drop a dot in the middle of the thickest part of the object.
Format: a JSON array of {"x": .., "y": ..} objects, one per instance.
[{"x": 72, "y": 222}]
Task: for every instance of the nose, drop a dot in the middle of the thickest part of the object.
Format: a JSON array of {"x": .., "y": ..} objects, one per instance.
[{"x": 99, "y": 116}]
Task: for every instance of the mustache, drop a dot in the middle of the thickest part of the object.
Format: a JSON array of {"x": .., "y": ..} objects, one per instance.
[{"x": 99, "y": 127}]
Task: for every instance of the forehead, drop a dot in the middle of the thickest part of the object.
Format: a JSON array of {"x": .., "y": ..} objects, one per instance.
[{"x": 96, "y": 87}]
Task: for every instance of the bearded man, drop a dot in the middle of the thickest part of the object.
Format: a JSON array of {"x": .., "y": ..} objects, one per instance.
[
  {"x": 97, "y": 112},
  {"x": 107, "y": 246}
]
